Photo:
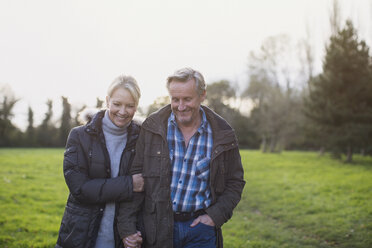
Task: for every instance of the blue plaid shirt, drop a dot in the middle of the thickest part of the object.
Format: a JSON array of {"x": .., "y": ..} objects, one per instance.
[{"x": 190, "y": 189}]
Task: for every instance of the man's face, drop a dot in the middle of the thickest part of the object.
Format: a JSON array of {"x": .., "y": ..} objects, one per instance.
[{"x": 185, "y": 102}]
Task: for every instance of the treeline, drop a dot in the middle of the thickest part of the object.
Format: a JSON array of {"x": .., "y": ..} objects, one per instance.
[
  {"x": 48, "y": 133},
  {"x": 289, "y": 107}
]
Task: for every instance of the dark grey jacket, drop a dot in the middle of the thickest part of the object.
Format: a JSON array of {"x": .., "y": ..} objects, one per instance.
[
  {"x": 152, "y": 160},
  {"x": 86, "y": 168}
]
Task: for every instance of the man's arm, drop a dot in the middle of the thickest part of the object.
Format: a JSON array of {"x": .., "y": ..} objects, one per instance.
[
  {"x": 221, "y": 211},
  {"x": 128, "y": 210}
]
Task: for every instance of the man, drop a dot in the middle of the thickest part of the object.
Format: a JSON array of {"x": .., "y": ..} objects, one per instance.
[{"x": 190, "y": 162}]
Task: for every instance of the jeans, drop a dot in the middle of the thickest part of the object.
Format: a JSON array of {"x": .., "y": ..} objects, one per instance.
[{"x": 199, "y": 236}]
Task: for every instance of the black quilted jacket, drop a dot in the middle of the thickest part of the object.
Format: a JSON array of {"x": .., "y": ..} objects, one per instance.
[{"x": 86, "y": 168}]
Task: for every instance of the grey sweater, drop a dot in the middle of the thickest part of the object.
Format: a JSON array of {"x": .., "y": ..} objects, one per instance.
[{"x": 116, "y": 139}]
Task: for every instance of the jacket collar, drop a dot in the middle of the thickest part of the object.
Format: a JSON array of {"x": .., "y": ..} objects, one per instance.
[{"x": 94, "y": 127}]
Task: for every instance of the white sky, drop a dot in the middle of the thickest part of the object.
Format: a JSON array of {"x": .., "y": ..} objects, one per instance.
[{"x": 73, "y": 48}]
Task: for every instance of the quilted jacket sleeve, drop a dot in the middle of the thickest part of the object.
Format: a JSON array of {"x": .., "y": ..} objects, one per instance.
[
  {"x": 85, "y": 189},
  {"x": 128, "y": 211}
]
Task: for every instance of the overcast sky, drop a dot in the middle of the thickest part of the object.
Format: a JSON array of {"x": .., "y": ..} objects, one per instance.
[{"x": 73, "y": 48}]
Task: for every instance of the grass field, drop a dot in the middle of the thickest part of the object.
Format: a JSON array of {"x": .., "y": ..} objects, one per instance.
[{"x": 293, "y": 199}]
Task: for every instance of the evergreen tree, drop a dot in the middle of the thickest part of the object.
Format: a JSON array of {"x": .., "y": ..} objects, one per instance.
[
  {"x": 30, "y": 131},
  {"x": 65, "y": 121},
  {"x": 48, "y": 115},
  {"x": 340, "y": 102},
  {"x": 47, "y": 133},
  {"x": 8, "y": 131}
]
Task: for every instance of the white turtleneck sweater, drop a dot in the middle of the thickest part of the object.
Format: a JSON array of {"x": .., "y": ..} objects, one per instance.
[{"x": 116, "y": 139}]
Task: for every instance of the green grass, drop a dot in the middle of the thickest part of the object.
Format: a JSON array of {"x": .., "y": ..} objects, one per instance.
[
  {"x": 32, "y": 197},
  {"x": 296, "y": 199},
  {"x": 293, "y": 199}
]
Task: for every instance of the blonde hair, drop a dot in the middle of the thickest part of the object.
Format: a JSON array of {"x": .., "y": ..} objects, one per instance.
[{"x": 128, "y": 83}]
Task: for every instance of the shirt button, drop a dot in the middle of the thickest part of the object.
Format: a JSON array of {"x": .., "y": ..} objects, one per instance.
[
  {"x": 174, "y": 203},
  {"x": 180, "y": 181}
]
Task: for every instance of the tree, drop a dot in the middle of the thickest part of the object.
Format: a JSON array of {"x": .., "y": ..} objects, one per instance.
[
  {"x": 48, "y": 115},
  {"x": 271, "y": 88},
  {"x": 340, "y": 102},
  {"x": 157, "y": 104},
  {"x": 306, "y": 55},
  {"x": 65, "y": 121},
  {"x": 270, "y": 114},
  {"x": 47, "y": 133},
  {"x": 30, "y": 131},
  {"x": 335, "y": 17},
  {"x": 77, "y": 119},
  {"x": 7, "y": 103},
  {"x": 220, "y": 95},
  {"x": 99, "y": 103}
]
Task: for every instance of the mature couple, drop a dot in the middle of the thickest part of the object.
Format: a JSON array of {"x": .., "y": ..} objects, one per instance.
[{"x": 171, "y": 182}]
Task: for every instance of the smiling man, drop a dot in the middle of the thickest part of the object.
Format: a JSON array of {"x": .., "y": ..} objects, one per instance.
[{"x": 189, "y": 159}]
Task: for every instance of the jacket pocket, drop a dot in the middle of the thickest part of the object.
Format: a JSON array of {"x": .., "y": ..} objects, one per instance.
[
  {"x": 149, "y": 217},
  {"x": 202, "y": 168},
  {"x": 74, "y": 227}
]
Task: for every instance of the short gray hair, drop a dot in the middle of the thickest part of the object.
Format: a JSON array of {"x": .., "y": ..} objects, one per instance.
[
  {"x": 128, "y": 83},
  {"x": 186, "y": 74}
]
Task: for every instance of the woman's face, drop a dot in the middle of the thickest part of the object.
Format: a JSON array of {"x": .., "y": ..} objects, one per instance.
[{"x": 121, "y": 107}]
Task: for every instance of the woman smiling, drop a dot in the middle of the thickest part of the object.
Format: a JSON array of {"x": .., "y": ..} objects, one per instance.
[{"x": 97, "y": 158}]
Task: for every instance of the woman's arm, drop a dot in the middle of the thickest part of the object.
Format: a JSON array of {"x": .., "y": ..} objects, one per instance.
[{"x": 85, "y": 189}]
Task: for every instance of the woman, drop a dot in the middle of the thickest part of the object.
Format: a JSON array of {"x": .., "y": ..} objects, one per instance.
[{"x": 96, "y": 163}]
